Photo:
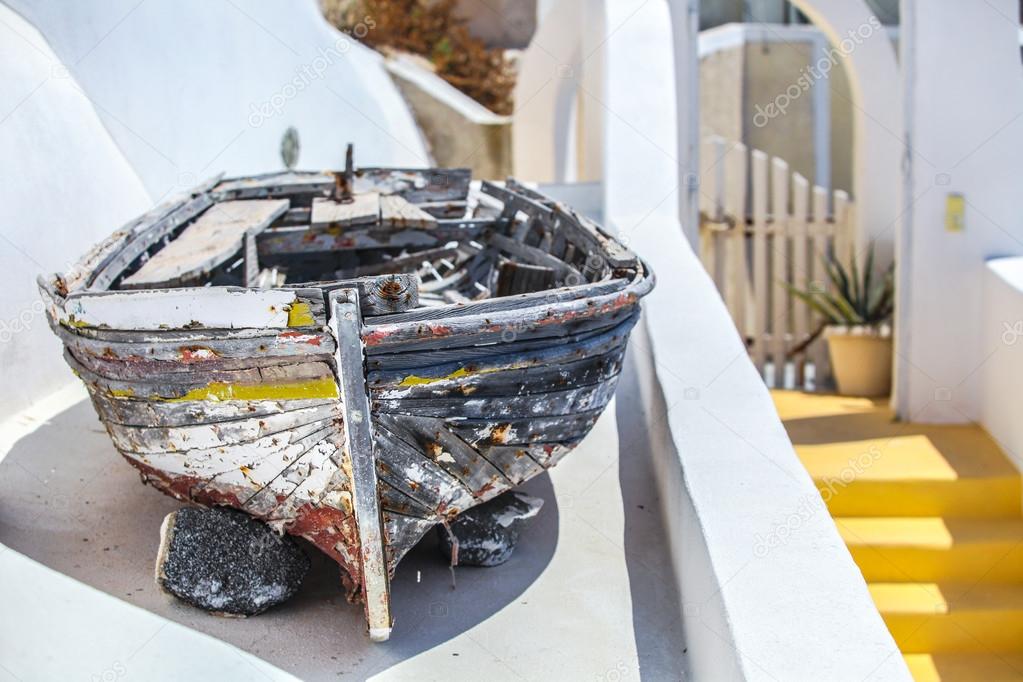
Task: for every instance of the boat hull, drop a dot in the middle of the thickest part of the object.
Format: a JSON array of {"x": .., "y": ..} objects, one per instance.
[{"x": 344, "y": 412}]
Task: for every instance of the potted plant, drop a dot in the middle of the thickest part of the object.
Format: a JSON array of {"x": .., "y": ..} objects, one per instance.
[{"x": 857, "y": 309}]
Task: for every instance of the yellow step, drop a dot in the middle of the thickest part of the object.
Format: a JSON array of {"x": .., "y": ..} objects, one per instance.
[
  {"x": 867, "y": 464},
  {"x": 934, "y": 549},
  {"x": 965, "y": 667},
  {"x": 952, "y": 617},
  {"x": 908, "y": 475}
]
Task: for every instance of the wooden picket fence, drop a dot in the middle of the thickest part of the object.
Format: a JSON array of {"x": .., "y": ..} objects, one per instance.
[{"x": 761, "y": 225}]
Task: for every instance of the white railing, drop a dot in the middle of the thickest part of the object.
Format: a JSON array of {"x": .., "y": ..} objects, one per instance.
[{"x": 763, "y": 226}]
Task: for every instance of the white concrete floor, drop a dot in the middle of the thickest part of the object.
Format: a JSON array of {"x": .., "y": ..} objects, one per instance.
[{"x": 589, "y": 593}]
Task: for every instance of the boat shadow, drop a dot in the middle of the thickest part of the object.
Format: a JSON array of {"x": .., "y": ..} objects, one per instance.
[
  {"x": 656, "y": 605},
  {"x": 68, "y": 501}
]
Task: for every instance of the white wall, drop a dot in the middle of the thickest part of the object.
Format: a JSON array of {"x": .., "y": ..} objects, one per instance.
[
  {"x": 546, "y": 95},
  {"x": 964, "y": 99},
  {"x": 63, "y": 186},
  {"x": 795, "y": 609},
  {"x": 1002, "y": 338},
  {"x": 189, "y": 88},
  {"x": 866, "y": 50}
]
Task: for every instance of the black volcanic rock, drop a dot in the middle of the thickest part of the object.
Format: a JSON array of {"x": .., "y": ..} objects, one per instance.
[
  {"x": 487, "y": 534},
  {"x": 226, "y": 562}
]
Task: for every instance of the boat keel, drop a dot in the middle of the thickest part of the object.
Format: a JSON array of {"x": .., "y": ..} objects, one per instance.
[{"x": 346, "y": 323}]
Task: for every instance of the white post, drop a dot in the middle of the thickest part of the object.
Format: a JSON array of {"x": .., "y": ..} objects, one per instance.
[{"x": 685, "y": 20}]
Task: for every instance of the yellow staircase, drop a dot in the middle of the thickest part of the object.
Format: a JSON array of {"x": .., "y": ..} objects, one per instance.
[{"x": 932, "y": 516}]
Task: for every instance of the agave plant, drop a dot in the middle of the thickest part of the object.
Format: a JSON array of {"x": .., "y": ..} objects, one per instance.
[{"x": 856, "y": 298}]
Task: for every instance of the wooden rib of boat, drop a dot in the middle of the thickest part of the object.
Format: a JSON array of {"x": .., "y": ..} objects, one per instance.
[{"x": 353, "y": 357}]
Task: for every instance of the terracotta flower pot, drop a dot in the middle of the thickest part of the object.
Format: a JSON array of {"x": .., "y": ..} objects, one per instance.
[{"x": 861, "y": 359}]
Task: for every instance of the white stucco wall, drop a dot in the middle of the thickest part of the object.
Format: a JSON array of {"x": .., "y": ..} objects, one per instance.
[
  {"x": 189, "y": 88},
  {"x": 964, "y": 117},
  {"x": 1002, "y": 339},
  {"x": 63, "y": 186}
]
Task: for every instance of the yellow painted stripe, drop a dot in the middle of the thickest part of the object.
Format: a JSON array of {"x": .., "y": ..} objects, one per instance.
[
  {"x": 299, "y": 315},
  {"x": 413, "y": 380},
  {"x": 324, "y": 387}
]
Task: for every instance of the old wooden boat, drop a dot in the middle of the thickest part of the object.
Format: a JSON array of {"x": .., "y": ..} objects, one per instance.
[{"x": 353, "y": 357}]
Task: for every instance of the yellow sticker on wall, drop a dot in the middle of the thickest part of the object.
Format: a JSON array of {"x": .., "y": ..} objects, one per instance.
[{"x": 955, "y": 213}]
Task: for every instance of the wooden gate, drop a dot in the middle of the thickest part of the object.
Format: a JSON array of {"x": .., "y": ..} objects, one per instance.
[{"x": 762, "y": 225}]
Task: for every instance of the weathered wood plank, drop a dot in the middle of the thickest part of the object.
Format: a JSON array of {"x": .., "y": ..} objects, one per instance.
[
  {"x": 155, "y": 439},
  {"x": 277, "y": 493},
  {"x": 345, "y": 323},
  {"x": 141, "y": 368},
  {"x": 818, "y": 351},
  {"x": 450, "y": 453},
  {"x": 483, "y": 432},
  {"x": 300, "y": 381},
  {"x": 312, "y": 478},
  {"x": 362, "y": 209},
  {"x": 553, "y": 321},
  {"x": 292, "y": 241},
  {"x": 217, "y": 235},
  {"x": 208, "y": 462},
  {"x": 454, "y": 209},
  {"x": 780, "y": 321},
  {"x": 518, "y": 278},
  {"x": 760, "y": 290},
  {"x": 250, "y": 277},
  {"x": 394, "y": 500},
  {"x": 417, "y": 185},
  {"x": 588, "y": 247},
  {"x": 516, "y": 302},
  {"x": 414, "y": 362},
  {"x": 549, "y": 454},
  {"x": 147, "y": 413},
  {"x": 398, "y": 212},
  {"x": 408, "y": 470},
  {"x": 736, "y": 273},
  {"x": 516, "y": 201},
  {"x": 276, "y": 184},
  {"x": 170, "y": 344},
  {"x": 565, "y": 366},
  {"x": 533, "y": 256},
  {"x": 595, "y": 246},
  {"x": 514, "y": 462},
  {"x": 552, "y": 403},
  {"x": 210, "y": 307}
]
